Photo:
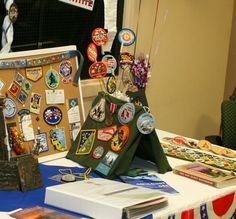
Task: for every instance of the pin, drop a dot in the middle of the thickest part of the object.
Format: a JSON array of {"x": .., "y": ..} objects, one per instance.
[
  {"x": 126, "y": 113},
  {"x": 146, "y": 122},
  {"x": 126, "y": 37}
]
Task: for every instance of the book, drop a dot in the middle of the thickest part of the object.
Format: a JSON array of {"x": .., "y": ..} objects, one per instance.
[
  {"x": 38, "y": 212},
  {"x": 151, "y": 181},
  {"x": 206, "y": 174},
  {"x": 100, "y": 198}
]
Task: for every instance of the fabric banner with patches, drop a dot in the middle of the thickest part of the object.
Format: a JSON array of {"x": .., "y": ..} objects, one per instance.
[{"x": 86, "y": 4}]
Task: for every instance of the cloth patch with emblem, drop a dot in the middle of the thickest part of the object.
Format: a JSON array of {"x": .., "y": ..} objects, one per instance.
[
  {"x": 35, "y": 102},
  {"x": 126, "y": 113},
  {"x": 98, "y": 152},
  {"x": 65, "y": 70},
  {"x": 10, "y": 109},
  {"x": 22, "y": 97},
  {"x": 52, "y": 115},
  {"x": 120, "y": 138},
  {"x": 86, "y": 141},
  {"x": 19, "y": 79},
  {"x": 58, "y": 139},
  {"x": 40, "y": 143},
  {"x": 52, "y": 79},
  {"x": 97, "y": 113},
  {"x": 14, "y": 89},
  {"x": 106, "y": 134},
  {"x": 26, "y": 86},
  {"x": 34, "y": 74},
  {"x": 106, "y": 163}
]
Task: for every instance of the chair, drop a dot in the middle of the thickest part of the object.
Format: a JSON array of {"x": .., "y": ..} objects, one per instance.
[{"x": 228, "y": 124}]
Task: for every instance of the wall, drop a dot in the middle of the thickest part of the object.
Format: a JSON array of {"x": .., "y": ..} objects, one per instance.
[
  {"x": 188, "y": 43},
  {"x": 188, "y": 55}
]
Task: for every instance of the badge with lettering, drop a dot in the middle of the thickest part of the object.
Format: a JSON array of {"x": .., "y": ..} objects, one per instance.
[
  {"x": 126, "y": 113},
  {"x": 146, "y": 122},
  {"x": 98, "y": 152},
  {"x": 97, "y": 113},
  {"x": 98, "y": 70},
  {"x": 86, "y": 141},
  {"x": 14, "y": 89},
  {"x": 92, "y": 52},
  {"x": 35, "y": 102},
  {"x": 34, "y": 74},
  {"x": 106, "y": 134},
  {"x": 110, "y": 62},
  {"x": 22, "y": 97},
  {"x": 19, "y": 79},
  {"x": 120, "y": 138},
  {"x": 58, "y": 139},
  {"x": 99, "y": 36},
  {"x": 10, "y": 109},
  {"x": 52, "y": 79},
  {"x": 106, "y": 163},
  {"x": 52, "y": 115},
  {"x": 65, "y": 70},
  {"x": 111, "y": 84},
  {"x": 126, "y": 37},
  {"x": 26, "y": 86}
]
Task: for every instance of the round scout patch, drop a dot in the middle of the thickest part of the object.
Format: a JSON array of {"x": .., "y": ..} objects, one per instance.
[
  {"x": 65, "y": 70},
  {"x": 126, "y": 37},
  {"x": 10, "y": 109},
  {"x": 92, "y": 52},
  {"x": 98, "y": 152},
  {"x": 52, "y": 79},
  {"x": 99, "y": 36},
  {"x": 52, "y": 115},
  {"x": 146, "y": 123},
  {"x": 98, "y": 70},
  {"x": 126, "y": 113}
]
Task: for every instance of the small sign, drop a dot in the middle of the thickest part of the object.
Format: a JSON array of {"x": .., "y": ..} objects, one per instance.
[{"x": 86, "y": 4}]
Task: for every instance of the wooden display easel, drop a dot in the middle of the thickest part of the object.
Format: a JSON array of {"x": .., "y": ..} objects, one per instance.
[{"x": 71, "y": 90}]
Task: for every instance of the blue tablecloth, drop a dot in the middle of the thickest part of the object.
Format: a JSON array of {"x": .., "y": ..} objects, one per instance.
[{"x": 11, "y": 200}]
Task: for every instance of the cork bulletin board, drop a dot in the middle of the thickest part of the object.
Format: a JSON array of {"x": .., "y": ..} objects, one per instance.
[{"x": 44, "y": 105}]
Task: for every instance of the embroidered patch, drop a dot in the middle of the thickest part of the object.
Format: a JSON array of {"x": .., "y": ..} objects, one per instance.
[
  {"x": 10, "y": 109},
  {"x": 106, "y": 134},
  {"x": 92, "y": 52},
  {"x": 22, "y": 97},
  {"x": 97, "y": 70},
  {"x": 19, "y": 79},
  {"x": 58, "y": 139},
  {"x": 26, "y": 86},
  {"x": 86, "y": 141},
  {"x": 52, "y": 115},
  {"x": 106, "y": 163},
  {"x": 146, "y": 123},
  {"x": 126, "y": 113},
  {"x": 120, "y": 138},
  {"x": 35, "y": 102},
  {"x": 110, "y": 62},
  {"x": 34, "y": 74},
  {"x": 52, "y": 79},
  {"x": 97, "y": 113},
  {"x": 65, "y": 70},
  {"x": 14, "y": 89},
  {"x": 98, "y": 152}
]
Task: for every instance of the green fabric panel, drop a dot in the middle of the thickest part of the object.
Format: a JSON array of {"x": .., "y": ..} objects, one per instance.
[
  {"x": 122, "y": 163},
  {"x": 228, "y": 123}
]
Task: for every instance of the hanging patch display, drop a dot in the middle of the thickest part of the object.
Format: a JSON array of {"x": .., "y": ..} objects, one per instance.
[
  {"x": 110, "y": 62},
  {"x": 126, "y": 113},
  {"x": 14, "y": 89},
  {"x": 92, "y": 52},
  {"x": 120, "y": 138},
  {"x": 86, "y": 141},
  {"x": 35, "y": 102},
  {"x": 111, "y": 84},
  {"x": 19, "y": 79},
  {"x": 106, "y": 163},
  {"x": 58, "y": 139},
  {"x": 34, "y": 74},
  {"x": 65, "y": 70},
  {"x": 98, "y": 70},
  {"x": 26, "y": 86},
  {"x": 99, "y": 36},
  {"x": 52, "y": 79},
  {"x": 10, "y": 109},
  {"x": 97, "y": 113},
  {"x": 146, "y": 122},
  {"x": 98, "y": 152},
  {"x": 52, "y": 115},
  {"x": 106, "y": 134},
  {"x": 126, "y": 37}
]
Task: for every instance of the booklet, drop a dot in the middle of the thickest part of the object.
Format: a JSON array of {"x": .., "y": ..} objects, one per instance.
[
  {"x": 151, "y": 181},
  {"x": 206, "y": 174},
  {"x": 105, "y": 199}
]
